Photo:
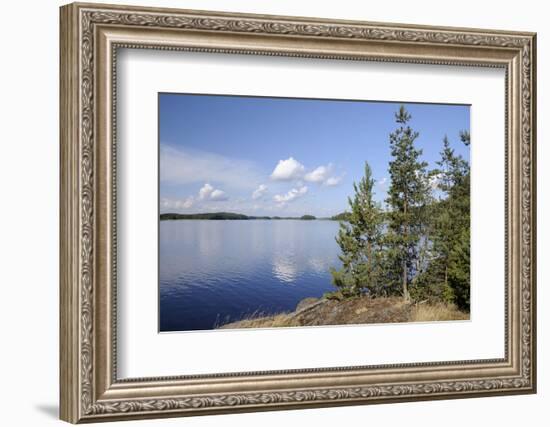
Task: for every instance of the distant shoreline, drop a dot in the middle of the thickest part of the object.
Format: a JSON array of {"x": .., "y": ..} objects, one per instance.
[{"x": 236, "y": 216}]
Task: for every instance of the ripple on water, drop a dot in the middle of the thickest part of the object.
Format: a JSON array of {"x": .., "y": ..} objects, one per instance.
[{"x": 212, "y": 270}]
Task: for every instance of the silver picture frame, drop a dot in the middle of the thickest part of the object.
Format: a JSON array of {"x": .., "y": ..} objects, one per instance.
[{"x": 90, "y": 37}]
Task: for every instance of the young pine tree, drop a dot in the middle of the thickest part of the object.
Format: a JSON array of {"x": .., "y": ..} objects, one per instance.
[
  {"x": 459, "y": 270},
  {"x": 359, "y": 239},
  {"x": 445, "y": 235},
  {"x": 451, "y": 225},
  {"x": 407, "y": 197},
  {"x": 459, "y": 257}
]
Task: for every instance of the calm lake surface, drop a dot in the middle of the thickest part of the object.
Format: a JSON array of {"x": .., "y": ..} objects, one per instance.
[{"x": 214, "y": 272}]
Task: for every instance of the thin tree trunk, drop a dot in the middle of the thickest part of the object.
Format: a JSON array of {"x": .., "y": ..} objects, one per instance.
[
  {"x": 406, "y": 295},
  {"x": 369, "y": 259}
]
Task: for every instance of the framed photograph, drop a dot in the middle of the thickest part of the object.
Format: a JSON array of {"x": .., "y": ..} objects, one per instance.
[{"x": 266, "y": 212}]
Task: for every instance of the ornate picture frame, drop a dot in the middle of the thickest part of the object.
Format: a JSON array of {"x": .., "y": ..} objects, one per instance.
[{"x": 90, "y": 37}]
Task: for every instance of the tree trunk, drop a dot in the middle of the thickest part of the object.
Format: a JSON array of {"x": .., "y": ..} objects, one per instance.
[
  {"x": 369, "y": 259},
  {"x": 406, "y": 295}
]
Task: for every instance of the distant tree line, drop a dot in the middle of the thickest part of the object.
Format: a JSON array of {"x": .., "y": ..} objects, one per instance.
[
  {"x": 209, "y": 215},
  {"x": 418, "y": 246},
  {"x": 225, "y": 216}
]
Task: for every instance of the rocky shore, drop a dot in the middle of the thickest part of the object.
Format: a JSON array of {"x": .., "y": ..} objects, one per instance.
[{"x": 362, "y": 310}]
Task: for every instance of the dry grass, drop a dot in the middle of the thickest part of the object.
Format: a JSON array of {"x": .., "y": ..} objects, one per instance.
[
  {"x": 437, "y": 313},
  {"x": 352, "y": 311},
  {"x": 258, "y": 321}
]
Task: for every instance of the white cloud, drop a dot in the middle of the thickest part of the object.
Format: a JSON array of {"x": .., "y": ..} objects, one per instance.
[
  {"x": 187, "y": 203},
  {"x": 190, "y": 166},
  {"x": 259, "y": 192},
  {"x": 291, "y": 195},
  {"x": 333, "y": 180},
  {"x": 323, "y": 175},
  {"x": 287, "y": 170},
  {"x": 177, "y": 204},
  {"x": 382, "y": 181},
  {"x": 435, "y": 180},
  {"x": 218, "y": 196},
  {"x": 319, "y": 174},
  {"x": 205, "y": 191}
]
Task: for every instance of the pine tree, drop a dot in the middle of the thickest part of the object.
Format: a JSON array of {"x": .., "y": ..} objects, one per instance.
[
  {"x": 459, "y": 270},
  {"x": 419, "y": 246},
  {"x": 459, "y": 259},
  {"x": 407, "y": 197},
  {"x": 451, "y": 225},
  {"x": 444, "y": 237},
  {"x": 359, "y": 239}
]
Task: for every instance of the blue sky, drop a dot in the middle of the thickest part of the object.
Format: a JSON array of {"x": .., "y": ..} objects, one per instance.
[{"x": 280, "y": 156}]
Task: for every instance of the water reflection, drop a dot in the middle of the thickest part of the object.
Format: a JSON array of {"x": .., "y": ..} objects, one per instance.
[
  {"x": 212, "y": 270},
  {"x": 285, "y": 269},
  {"x": 319, "y": 265}
]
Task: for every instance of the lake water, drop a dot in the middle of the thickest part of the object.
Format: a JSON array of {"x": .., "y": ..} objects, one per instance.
[{"x": 215, "y": 272}]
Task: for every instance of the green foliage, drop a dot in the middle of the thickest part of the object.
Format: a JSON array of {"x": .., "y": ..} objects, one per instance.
[
  {"x": 465, "y": 137},
  {"x": 408, "y": 195},
  {"x": 419, "y": 247},
  {"x": 447, "y": 278},
  {"x": 459, "y": 270},
  {"x": 359, "y": 240}
]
